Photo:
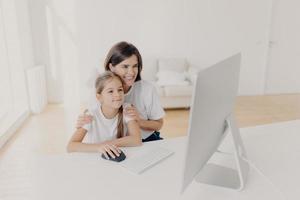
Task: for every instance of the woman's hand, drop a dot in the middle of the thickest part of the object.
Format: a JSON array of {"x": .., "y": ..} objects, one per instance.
[
  {"x": 109, "y": 149},
  {"x": 132, "y": 112},
  {"x": 84, "y": 119}
]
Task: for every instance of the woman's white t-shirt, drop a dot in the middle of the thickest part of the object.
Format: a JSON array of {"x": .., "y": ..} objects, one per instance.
[
  {"x": 144, "y": 97},
  {"x": 102, "y": 129}
]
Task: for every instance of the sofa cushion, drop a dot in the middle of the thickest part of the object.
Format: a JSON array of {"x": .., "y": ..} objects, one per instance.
[
  {"x": 169, "y": 83},
  {"x": 178, "y": 90},
  {"x": 170, "y": 77},
  {"x": 174, "y": 64},
  {"x": 192, "y": 74}
]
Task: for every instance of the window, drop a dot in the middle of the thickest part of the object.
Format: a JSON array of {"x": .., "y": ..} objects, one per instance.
[
  {"x": 5, "y": 96},
  {"x": 13, "y": 94}
]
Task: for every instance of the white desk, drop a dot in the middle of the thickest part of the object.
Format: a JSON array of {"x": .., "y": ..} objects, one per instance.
[{"x": 275, "y": 149}]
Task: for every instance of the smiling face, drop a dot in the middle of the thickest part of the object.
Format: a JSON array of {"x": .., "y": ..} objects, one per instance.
[
  {"x": 127, "y": 70},
  {"x": 112, "y": 94}
]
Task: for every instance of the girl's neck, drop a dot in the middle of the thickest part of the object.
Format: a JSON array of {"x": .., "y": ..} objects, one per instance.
[{"x": 109, "y": 112}]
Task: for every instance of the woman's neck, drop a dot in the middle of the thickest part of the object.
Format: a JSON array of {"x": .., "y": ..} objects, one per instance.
[
  {"x": 126, "y": 89},
  {"x": 109, "y": 112}
]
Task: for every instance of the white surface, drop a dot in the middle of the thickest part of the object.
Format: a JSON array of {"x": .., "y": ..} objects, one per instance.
[
  {"x": 171, "y": 77},
  {"x": 172, "y": 64},
  {"x": 149, "y": 69},
  {"x": 213, "y": 101},
  {"x": 15, "y": 56},
  {"x": 5, "y": 95},
  {"x": 179, "y": 91},
  {"x": 217, "y": 29},
  {"x": 284, "y": 48},
  {"x": 37, "y": 90},
  {"x": 172, "y": 80},
  {"x": 146, "y": 159},
  {"x": 203, "y": 31},
  {"x": 273, "y": 148},
  {"x": 179, "y": 101},
  {"x": 15, "y": 59}
]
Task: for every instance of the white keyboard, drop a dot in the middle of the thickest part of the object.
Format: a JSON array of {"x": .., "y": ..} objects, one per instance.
[{"x": 146, "y": 159}]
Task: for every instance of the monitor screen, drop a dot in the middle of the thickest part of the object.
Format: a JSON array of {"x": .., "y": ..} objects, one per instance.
[{"x": 213, "y": 102}]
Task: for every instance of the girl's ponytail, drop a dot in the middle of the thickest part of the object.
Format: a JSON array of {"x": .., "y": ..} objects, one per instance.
[{"x": 120, "y": 127}]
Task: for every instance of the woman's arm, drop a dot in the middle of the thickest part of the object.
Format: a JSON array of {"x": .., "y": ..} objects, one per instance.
[
  {"x": 83, "y": 120},
  {"x": 133, "y": 138},
  {"x": 150, "y": 125}
]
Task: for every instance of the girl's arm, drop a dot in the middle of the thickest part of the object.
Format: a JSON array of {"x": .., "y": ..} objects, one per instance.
[
  {"x": 133, "y": 138},
  {"x": 75, "y": 145}
]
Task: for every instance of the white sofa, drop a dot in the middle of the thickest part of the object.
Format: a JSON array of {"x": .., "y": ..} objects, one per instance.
[{"x": 173, "y": 78}]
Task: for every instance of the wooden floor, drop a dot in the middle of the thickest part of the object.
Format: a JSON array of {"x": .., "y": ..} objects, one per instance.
[
  {"x": 53, "y": 127},
  {"x": 49, "y": 132},
  {"x": 249, "y": 111}
]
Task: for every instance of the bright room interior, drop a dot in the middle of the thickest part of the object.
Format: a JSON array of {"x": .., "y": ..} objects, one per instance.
[{"x": 50, "y": 51}]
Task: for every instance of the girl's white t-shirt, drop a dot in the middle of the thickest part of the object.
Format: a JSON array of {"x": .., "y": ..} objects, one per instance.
[
  {"x": 144, "y": 97},
  {"x": 102, "y": 129}
]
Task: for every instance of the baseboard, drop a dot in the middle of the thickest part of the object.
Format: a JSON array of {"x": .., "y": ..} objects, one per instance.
[{"x": 10, "y": 125}]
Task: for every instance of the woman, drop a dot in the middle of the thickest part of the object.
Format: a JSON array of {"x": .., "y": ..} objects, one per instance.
[{"x": 125, "y": 60}]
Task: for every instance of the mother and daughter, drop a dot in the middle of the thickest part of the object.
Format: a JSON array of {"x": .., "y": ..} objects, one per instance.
[{"x": 127, "y": 112}]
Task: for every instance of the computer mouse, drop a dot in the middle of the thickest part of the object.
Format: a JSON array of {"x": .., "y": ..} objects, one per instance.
[{"x": 119, "y": 158}]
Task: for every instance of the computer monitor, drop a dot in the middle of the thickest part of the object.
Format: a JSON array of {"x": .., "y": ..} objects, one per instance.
[{"x": 211, "y": 117}]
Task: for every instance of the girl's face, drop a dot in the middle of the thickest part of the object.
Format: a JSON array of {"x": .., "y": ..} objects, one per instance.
[
  {"x": 127, "y": 70},
  {"x": 112, "y": 94}
]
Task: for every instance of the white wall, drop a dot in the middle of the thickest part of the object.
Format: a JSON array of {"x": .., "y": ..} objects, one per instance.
[
  {"x": 5, "y": 88},
  {"x": 19, "y": 54},
  {"x": 283, "y": 67},
  {"x": 218, "y": 29},
  {"x": 42, "y": 49},
  {"x": 25, "y": 33},
  {"x": 80, "y": 33},
  {"x": 203, "y": 31},
  {"x": 16, "y": 56},
  {"x": 155, "y": 27}
]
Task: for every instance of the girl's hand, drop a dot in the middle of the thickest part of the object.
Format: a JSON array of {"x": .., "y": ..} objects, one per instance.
[
  {"x": 108, "y": 149},
  {"x": 84, "y": 119},
  {"x": 132, "y": 112}
]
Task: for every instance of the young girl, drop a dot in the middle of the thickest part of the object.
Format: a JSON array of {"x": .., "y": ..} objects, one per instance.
[
  {"x": 109, "y": 128},
  {"x": 125, "y": 60}
]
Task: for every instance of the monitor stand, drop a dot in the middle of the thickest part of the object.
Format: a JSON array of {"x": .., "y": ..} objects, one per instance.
[{"x": 222, "y": 176}]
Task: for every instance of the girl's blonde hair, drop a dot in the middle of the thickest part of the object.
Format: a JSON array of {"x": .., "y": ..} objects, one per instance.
[{"x": 99, "y": 85}]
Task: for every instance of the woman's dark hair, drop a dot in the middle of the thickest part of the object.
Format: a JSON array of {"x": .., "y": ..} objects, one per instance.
[{"x": 121, "y": 51}]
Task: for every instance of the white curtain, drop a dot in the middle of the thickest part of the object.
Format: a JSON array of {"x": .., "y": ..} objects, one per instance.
[{"x": 13, "y": 93}]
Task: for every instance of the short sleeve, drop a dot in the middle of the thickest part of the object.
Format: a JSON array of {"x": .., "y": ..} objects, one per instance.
[{"x": 155, "y": 111}]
